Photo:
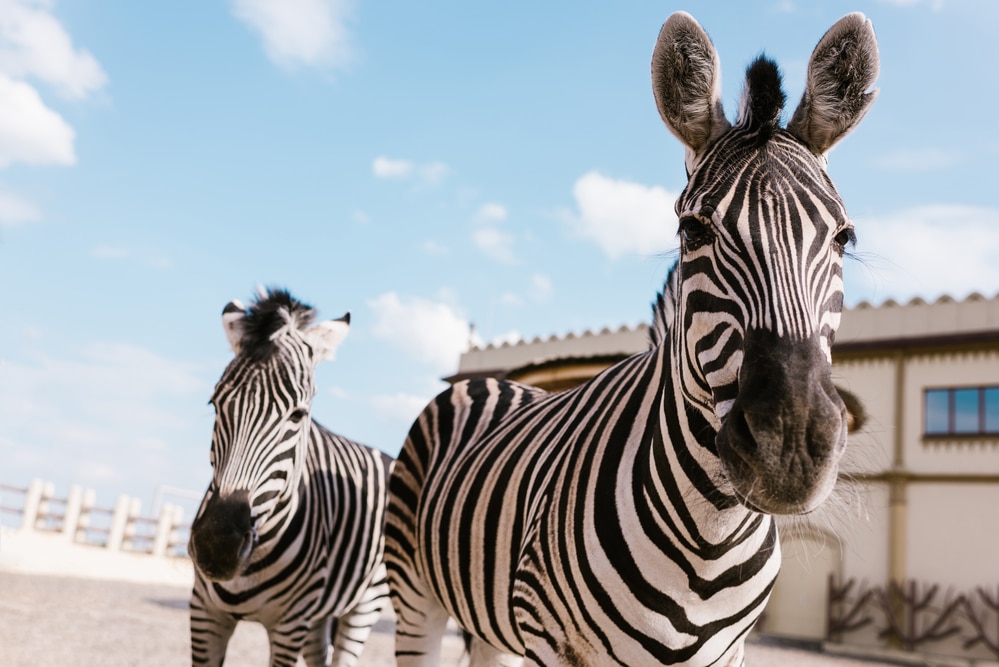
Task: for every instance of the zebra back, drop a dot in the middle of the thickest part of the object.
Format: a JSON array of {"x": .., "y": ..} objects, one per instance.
[{"x": 664, "y": 310}]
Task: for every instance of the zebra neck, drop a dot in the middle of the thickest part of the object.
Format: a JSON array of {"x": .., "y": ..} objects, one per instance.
[
  {"x": 684, "y": 479},
  {"x": 274, "y": 530}
]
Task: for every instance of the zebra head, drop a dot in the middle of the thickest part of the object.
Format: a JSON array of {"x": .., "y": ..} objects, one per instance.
[
  {"x": 262, "y": 427},
  {"x": 758, "y": 286}
]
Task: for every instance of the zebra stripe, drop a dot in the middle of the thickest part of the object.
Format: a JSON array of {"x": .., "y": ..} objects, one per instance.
[
  {"x": 290, "y": 532},
  {"x": 629, "y": 521}
]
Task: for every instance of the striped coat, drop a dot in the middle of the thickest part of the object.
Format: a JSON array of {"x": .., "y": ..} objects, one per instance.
[
  {"x": 290, "y": 532},
  {"x": 629, "y": 521}
]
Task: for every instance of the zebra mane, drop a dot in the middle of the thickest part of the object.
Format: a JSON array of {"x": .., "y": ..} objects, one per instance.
[
  {"x": 272, "y": 313},
  {"x": 663, "y": 309},
  {"x": 763, "y": 98}
]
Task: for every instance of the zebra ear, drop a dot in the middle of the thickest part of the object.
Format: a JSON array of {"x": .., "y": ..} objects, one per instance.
[
  {"x": 326, "y": 336},
  {"x": 233, "y": 317},
  {"x": 842, "y": 68},
  {"x": 686, "y": 81}
]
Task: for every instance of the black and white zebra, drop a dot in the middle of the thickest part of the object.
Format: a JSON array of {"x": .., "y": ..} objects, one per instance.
[
  {"x": 629, "y": 521},
  {"x": 290, "y": 531}
]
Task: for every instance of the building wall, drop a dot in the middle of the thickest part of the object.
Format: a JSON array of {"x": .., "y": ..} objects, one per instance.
[
  {"x": 952, "y": 536},
  {"x": 872, "y": 379}
]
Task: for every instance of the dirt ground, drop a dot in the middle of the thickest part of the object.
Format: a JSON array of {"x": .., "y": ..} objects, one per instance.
[{"x": 86, "y": 622}]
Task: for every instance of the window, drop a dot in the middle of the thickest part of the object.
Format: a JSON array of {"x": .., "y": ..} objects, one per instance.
[{"x": 961, "y": 411}]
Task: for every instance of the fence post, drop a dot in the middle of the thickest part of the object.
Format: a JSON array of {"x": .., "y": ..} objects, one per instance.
[
  {"x": 170, "y": 516},
  {"x": 119, "y": 522},
  {"x": 134, "y": 506},
  {"x": 45, "y": 506},
  {"x": 71, "y": 517},
  {"x": 32, "y": 501},
  {"x": 87, "y": 504}
]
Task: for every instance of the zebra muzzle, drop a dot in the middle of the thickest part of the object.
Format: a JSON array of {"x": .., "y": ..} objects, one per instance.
[
  {"x": 781, "y": 442},
  {"x": 223, "y": 536}
]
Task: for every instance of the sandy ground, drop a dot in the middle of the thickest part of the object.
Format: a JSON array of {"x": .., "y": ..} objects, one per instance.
[{"x": 47, "y": 620}]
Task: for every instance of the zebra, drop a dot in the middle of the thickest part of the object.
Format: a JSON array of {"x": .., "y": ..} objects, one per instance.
[
  {"x": 630, "y": 520},
  {"x": 290, "y": 531}
]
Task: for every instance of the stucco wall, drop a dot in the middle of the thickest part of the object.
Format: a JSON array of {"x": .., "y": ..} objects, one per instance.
[{"x": 873, "y": 381}]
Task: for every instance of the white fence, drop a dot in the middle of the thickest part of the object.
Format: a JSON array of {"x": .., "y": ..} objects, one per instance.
[{"x": 78, "y": 520}]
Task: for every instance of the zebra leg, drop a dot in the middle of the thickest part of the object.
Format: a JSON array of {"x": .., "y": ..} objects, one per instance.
[
  {"x": 316, "y": 652},
  {"x": 287, "y": 641},
  {"x": 210, "y": 632},
  {"x": 737, "y": 658},
  {"x": 420, "y": 620},
  {"x": 484, "y": 654},
  {"x": 352, "y": 629}
]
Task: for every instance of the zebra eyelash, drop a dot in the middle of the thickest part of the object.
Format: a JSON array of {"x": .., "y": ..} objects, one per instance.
[
  {"x": 845, "y": 238},
  {"x": 694, "y": 231}
]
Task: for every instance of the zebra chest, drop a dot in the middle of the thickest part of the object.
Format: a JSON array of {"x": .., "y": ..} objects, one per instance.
[
  {"x": 291, "y": 573},
  {"x": 605, "y": 582}
]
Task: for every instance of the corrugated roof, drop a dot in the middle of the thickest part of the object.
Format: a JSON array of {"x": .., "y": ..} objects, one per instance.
[{"x": 861, "y": 324}]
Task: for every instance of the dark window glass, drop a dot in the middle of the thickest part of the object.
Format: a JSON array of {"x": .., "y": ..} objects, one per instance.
[
  {"x": 966, "y": 411},
  {"x": 992, "y": 410},
  {"x": 937, "y": 411}
]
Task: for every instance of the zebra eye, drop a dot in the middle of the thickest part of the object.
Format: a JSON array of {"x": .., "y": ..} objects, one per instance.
[
  {"x": 297, "y": 415},
  {"x": 693, "y": 231},
  {"x": 845, "y": 237}
]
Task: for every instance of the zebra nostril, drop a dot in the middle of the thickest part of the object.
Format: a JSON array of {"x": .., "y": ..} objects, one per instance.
[
  {"x": 246, "y": 545},
  {"x": 741, "y": 435}
]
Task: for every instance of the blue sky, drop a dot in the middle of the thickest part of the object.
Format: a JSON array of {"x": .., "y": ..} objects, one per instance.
[{"x": 423, "y": 165}]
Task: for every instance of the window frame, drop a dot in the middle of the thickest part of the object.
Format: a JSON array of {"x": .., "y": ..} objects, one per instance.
[{"x": 951, "y": 431}]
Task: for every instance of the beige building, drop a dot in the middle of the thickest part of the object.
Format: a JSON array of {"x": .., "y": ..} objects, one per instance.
[{"x": 918, "y": 502}]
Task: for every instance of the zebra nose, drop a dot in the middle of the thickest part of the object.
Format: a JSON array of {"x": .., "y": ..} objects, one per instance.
[
  {"x": 781, "y": 441},
  {"x": 222, "y": 537}
]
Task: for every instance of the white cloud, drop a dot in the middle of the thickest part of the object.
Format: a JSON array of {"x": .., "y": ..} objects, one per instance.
[
  {"x": 429, "y": 173},
  {"x": 494, "y": 243},
  {"x": 109, "y": 252},
  {"x": 30, "y": 132},
  {"x": 33, "y": 44},
  {"x": 113, "y": 252},
  {"x": 935, "y": 5},
  {"x": 339, "y": 393},
  {"x": 432, "y": 247},
  {"x": 623, "y": 217},
  {"x": 928, "y": 251},
  {"x": 427, "y": 331},
  {"x": 384, "y": 167},
  {"x": 300, "y": 32},
  {"x": 88, "y": 414},
  {"x": 135, "y": 365},
  {"x": 15, "y": 211},
  {"x": 433, "y": 172},
  {"x": 491, "y": 212},
  {"x": 510, "y": 299},
  {"x": 399, "y": 408},
  {"x": 924, "y": 159},
  {"x": 541, "y": 289}
]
